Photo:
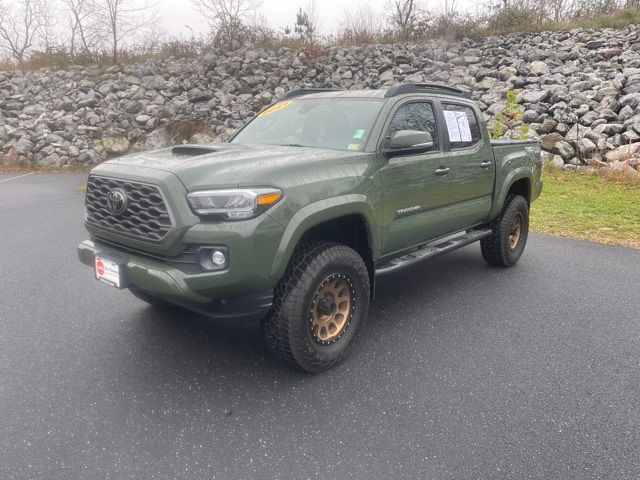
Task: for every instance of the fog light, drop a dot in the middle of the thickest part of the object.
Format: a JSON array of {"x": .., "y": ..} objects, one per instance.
[
  {"x": 213, "y": 258},
  {"x": 218, "y": 258}
]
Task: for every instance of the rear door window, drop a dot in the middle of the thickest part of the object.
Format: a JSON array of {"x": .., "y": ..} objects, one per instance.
[{"x": 462, "y": 125}]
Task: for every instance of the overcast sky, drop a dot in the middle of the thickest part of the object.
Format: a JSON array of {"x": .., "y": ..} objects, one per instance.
[{"x": 279, "y": 13}]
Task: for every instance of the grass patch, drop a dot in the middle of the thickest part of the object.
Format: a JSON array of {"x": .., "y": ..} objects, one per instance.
[{"x": 589, "y": 207}]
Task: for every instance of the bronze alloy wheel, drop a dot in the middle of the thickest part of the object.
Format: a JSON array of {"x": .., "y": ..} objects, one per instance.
[
  {"x": 332, "y": 309},
  {"x": 516, "y": 231}
]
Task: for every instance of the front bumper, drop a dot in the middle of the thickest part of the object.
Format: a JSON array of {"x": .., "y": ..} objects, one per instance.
[{"x": 193, "y": 291}]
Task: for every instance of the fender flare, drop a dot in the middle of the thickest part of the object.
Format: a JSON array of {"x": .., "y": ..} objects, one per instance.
[
  {"x": 316, "y": 213},
  {"x": 517, "y": 174}
]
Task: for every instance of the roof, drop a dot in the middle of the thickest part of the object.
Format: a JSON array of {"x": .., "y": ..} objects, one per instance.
[
  {"x": 333, "y": 93},
  {"x": 399, "y": 89}
]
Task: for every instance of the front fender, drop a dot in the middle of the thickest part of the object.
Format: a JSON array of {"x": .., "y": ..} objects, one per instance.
[{"x": 317, "y": 213}]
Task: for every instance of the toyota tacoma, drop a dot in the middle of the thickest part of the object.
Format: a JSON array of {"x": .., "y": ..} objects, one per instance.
[{"x": 295, "y": 218}]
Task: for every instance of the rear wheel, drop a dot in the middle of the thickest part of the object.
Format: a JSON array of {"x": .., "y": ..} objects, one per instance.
[
  {"x": 319, "y": 306},
  {"x": 509, "y": 234}
]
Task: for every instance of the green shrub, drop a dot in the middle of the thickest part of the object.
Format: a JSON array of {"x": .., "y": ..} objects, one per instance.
[{"x": 510, "y": 119}]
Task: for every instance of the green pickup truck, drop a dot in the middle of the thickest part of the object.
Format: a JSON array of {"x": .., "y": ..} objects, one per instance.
[{"x": 296, "y": 217}]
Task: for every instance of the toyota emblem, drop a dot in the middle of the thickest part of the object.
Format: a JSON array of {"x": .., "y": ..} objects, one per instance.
[{"x": 117, "y": 201}]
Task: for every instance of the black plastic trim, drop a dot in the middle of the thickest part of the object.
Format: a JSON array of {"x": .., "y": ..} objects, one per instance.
[
  {"x": 251, "y": 307},
  {"x": 306, "y": 91},
  {"x": 403, "y": 88}
]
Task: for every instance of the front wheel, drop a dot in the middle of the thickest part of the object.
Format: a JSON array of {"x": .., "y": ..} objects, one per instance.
[
  {"x": 319, "y": 306},
  {"x": 509, "y": 235}
]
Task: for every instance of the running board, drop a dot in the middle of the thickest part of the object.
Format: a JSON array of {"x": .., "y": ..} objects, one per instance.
[{"x": 431, "y": 250}]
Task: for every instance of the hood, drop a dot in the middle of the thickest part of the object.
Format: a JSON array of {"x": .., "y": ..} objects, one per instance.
[{"x": 227, "y": 164}]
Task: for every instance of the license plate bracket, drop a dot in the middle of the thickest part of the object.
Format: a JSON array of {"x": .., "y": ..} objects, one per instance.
[{"x": 110, "y": 269}]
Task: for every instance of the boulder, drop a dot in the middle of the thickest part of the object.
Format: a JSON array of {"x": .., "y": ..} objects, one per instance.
[
  {"x": 539, "y": 68},
  {"x": 548, "y": 142},
  {"x": 623, "y": 153},
  {"x": 532, "y": 96},
  {"x": 585, "y": 147},
  {"x": 565, "y": 150},
  {"x": 116, "y": 145},
  {"x": 608, "y": 128}
]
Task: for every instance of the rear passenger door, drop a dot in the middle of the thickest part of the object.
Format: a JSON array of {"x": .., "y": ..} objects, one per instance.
[
  {"x": 471, "y": 163},
  {"x": 415, "y": 185}
]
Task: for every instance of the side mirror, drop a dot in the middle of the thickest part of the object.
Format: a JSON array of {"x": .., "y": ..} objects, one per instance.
[{"x": 409, "y": 141}]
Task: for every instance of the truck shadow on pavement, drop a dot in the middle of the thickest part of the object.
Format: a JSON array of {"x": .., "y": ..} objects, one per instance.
[{"x": 191, "y": 345}]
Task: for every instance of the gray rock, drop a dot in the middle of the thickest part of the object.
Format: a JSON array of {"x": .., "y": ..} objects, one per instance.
[
  {"x": 117, "y": 145},
  {"x": 548, "y": 142},
  {"x": 81, "y": 115},
  {"x": 74, "y": 152},
  {"x": 565, "y": 150},
  {"x": 623, "y": 166},
  {"x": 585, "y": 147},
  {"x": 623, "y": 153},
  {"x": 532, "y": 96},
  {"x": 386, "y": 76},
  {"x": 608, "y": 128},
  {"x": 630, "y": 136},
  {"x": 547, "y": 126},
  {"x": 53, "y": 138},
  {"x": 556, "y": 161},
  {"x": 133, "y": 107},
  {"x": 539, "y": 68},
  {"x": 632, "y": 100}
]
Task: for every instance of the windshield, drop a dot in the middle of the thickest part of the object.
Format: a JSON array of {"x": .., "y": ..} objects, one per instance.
[{"x": 337, "y": 123}]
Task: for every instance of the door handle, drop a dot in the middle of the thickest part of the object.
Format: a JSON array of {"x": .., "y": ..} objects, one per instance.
[
  {"x": 485, "y": 165},
  {"x": 442, "y": 171}
]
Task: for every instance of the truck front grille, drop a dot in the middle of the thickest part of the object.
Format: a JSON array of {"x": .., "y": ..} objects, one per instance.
[{"x": 145, "y": 217}]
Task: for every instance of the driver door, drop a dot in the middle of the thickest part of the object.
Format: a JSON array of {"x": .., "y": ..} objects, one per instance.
[{"x": 416, "y": 188}]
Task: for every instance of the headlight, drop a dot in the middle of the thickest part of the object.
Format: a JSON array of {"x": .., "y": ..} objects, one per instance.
[{"x": 234, "y": 203}]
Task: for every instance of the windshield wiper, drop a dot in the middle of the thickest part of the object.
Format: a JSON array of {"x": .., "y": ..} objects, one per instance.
[{"x": 291, "y": 145}]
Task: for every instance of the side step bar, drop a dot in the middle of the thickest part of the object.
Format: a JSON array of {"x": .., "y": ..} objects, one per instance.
[{"x": 431, "y": 250}]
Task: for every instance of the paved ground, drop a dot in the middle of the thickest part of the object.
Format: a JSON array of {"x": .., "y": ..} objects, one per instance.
[{"x": 464, "y": 371}]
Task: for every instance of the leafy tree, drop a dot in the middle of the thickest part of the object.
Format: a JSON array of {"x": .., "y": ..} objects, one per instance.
[{"x": 306, "y": 26}]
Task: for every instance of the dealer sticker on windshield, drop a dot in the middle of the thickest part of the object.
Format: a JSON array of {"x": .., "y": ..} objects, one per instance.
[
  {"x": 276, "y": 108},
  {"x": 108, "y": 271}
]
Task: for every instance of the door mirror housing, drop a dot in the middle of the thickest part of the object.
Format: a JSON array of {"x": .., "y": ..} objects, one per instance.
[{"x": 407, "y": 141}]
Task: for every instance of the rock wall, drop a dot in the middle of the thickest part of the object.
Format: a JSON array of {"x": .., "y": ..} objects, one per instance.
[{"x": 580, "y": 92}]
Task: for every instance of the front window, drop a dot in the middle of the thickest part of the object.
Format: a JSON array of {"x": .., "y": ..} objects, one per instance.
[
  {"x": 415, "y": 116},
  {"x": 339, "y": 123}
]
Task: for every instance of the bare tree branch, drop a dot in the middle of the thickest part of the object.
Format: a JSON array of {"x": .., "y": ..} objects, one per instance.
[
  {"x": 123, "y": 18},
  {"x": 403, "y": 15},
  {"x": 361, "y": 25},
  {"x": 227, "y": 18},
  {"x": 19, "y": 26},
  {"x": 86, "y": 27}
]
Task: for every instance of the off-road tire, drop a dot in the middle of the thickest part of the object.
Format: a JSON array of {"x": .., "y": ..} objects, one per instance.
[
  {"x": 289, "y": 331},
  {"x": 497, "y": 249},
  {"x": 151, "y": 299}
]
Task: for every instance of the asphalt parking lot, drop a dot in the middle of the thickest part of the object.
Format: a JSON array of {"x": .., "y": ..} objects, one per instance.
[{"x": 463, "y": 371}]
